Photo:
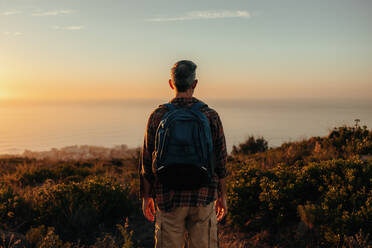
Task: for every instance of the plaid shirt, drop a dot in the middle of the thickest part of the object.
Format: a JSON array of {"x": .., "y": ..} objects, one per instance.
[{"x": 168, "y": 199}]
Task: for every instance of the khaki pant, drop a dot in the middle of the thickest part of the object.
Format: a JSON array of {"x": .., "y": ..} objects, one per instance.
[{"x": 199, "y": 222}]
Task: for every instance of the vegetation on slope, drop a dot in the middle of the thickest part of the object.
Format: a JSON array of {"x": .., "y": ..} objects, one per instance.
[
  {"x": 66, "y": 203},
  {"x": 311, "y": 193},
  {"x": 319, "y": 203}
]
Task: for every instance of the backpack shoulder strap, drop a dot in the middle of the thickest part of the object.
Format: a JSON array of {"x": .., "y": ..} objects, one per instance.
[
  {"x": 169, "y": 106},
  {"x": 197, "y": 106}
]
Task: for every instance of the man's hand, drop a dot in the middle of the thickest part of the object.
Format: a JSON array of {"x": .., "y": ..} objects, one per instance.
[
  {"x": 221, "y": 207},
  {"x": 148, "y": 208}
]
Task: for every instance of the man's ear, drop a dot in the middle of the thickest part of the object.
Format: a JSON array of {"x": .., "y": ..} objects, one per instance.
[
  {"x": 171, "y": 84},
  {"x": 194, "y": 84}
]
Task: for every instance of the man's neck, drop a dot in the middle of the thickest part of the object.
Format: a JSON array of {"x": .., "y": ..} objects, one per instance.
[{"x": 186, "y": 94}]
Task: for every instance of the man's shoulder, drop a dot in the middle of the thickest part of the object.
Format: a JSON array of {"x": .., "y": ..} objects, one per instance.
[
  {"x": 159, "y": 109},
  {"x": 158, "y": 112},
  {"x": 207, "y": 110}
]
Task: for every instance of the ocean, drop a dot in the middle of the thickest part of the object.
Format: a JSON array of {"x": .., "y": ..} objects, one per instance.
[{"x": 42, "y": 126}]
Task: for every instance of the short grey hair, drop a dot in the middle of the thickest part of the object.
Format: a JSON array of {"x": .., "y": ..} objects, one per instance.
[{"x": 183, "y": 74}]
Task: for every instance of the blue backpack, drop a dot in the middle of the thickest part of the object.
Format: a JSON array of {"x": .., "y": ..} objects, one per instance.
[{"x": 183, "y": 156}]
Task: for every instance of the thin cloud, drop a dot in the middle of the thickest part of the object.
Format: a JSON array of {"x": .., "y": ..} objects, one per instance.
[
  {"x": 204, "y": 15},
  {"x": 12, "y": 33},
  {"x": 70, "y": 28},
  {"x": 54, "y": 12},
  {"x": 11, "y": 12}
]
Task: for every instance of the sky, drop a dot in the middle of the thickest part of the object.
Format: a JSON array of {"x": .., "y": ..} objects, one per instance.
[{"x": 245, "y": 49}]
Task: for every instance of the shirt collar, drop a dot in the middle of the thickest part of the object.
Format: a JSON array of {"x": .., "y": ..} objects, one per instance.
[{"x": 184, "y": 100}]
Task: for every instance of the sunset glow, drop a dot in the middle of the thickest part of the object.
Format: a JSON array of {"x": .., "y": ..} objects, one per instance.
[{"x": 67, "y": 50}]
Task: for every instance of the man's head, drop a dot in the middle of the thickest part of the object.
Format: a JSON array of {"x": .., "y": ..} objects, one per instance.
[{"x": 183, "y": 75}]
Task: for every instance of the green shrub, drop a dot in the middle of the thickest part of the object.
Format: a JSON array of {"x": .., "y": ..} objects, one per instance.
[
  {"x": 14, "y": 211},
  {"x": 77, "y": 209},
  {"x": 10, "y": 241},
  {"x": 50, "y": 240},
  {"x": 36, "y": 176},
  {"x": 42, "y": 237},
  {"x": 84, "y": 164},
  {"x": 251, "y": 146},
  {"x": 127, "y": 236},
  {"x": 63, "y": 173},
  {"x": 358, "y": 240},
  {"x": 244, "y": 190},
  {"x": 35, "y": 234},
  {"x": 351, "y": 140},
  {"x": 334, "y": 198},
  {"x": 67, "y": 170},
  {"x": 342, "y": 142}
]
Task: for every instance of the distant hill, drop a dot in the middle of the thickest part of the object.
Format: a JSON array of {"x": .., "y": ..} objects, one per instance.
[{"x": 80, "y": 152}]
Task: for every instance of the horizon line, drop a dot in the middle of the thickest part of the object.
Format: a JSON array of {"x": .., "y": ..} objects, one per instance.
[{"x": 142, "y": 99}]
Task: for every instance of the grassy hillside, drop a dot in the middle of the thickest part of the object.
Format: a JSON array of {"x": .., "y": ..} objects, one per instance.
[
  {"x": 66, "y": 203},
  {"x": 311, "y": 193}
]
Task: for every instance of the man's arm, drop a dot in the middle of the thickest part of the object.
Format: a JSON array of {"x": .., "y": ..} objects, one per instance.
[
  {"x": 146, "y": 174},
  {"x": 220, "y": 167}
]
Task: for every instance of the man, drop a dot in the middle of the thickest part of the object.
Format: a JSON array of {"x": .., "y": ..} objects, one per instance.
[{"x": 178, "y": 211}]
